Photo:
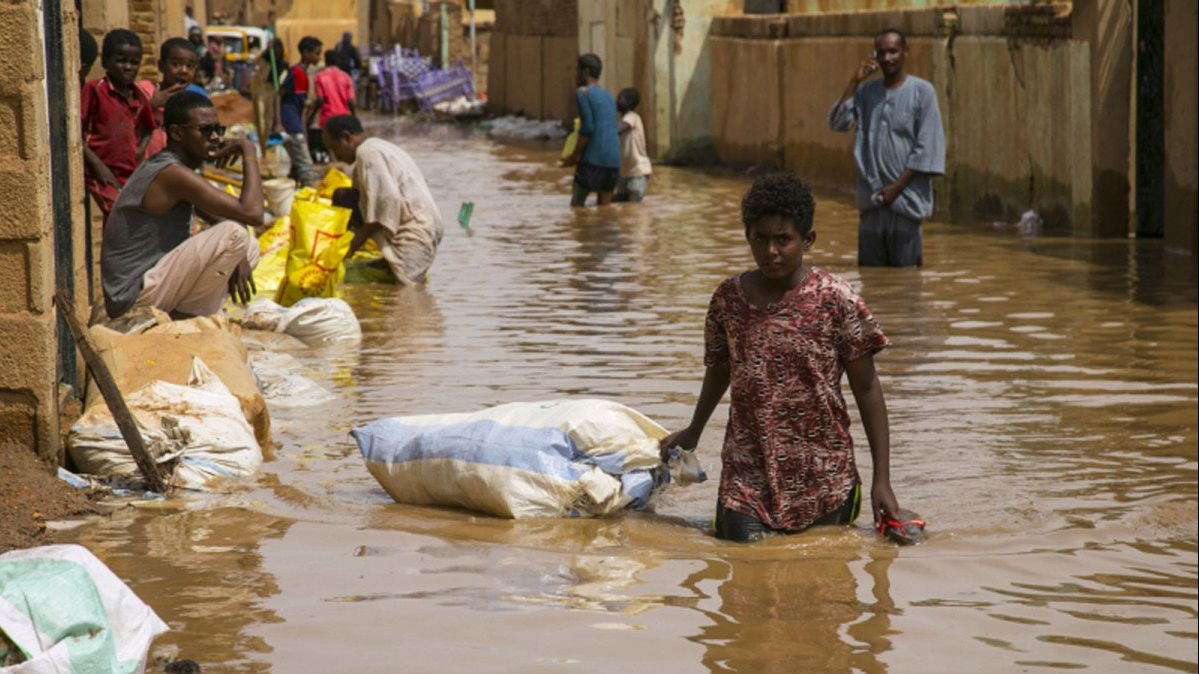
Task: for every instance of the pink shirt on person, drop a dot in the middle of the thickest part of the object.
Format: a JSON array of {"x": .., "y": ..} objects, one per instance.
[{"x": 336, "y": 90}]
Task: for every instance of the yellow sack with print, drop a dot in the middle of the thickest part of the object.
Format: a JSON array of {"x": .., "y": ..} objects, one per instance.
[
  {"x": 273, "y": 246},
  {"x": 319, "y": 244},
  {"x": 334, "y": 180}
]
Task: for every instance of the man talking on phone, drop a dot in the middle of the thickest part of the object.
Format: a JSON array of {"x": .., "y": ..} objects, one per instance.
[{"x": 898, "y": 148}]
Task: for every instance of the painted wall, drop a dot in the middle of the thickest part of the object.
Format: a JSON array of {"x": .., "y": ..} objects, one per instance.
[
  {"x": 1181, "y": 112},
  {"x": 682, "y": 69}
]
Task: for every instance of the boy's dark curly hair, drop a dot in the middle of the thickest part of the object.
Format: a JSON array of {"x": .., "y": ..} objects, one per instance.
[
  {"x": 782, "y": 194},
  {"x": 114, "y": 40}
]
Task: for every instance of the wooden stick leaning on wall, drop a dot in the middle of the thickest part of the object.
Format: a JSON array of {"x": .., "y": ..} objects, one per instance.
[{"x": 112, "y": 395}]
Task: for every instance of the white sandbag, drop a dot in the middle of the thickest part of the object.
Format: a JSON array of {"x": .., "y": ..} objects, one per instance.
[
  {"x": 201, "y": 426},
  {"x": 69, "y": 614},
  {"x": 519, "y": 128},
  {"x": 281, "y": 385},
  {"x": 546, "y": 459},
  {"x": 313, "y": 320}
]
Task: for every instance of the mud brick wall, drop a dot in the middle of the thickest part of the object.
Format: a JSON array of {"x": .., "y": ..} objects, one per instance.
[
  {"x": 144, "y": 19},
  {"x": 28, "y": 336},
  {"x": 533, "y": 48}
]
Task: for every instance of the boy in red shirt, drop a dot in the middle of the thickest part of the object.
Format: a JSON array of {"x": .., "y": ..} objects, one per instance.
[
  {"x": 334, "y": 91},
  {"x": 116, "y": 119}
]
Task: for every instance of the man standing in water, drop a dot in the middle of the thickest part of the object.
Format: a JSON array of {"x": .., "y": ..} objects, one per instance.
[
  {"x": 597, "y": 153},
  {"x": 396, "y": 208},
  {"x": 898, "y": 148}
]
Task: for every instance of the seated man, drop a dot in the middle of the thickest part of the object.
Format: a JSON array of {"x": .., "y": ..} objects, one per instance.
[
  {"x": 396, "y": 208},
  {"x": 148, "y": 258}
]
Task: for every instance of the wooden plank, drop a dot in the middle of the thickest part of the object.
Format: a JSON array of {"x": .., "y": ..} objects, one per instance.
[{"x": 112, "y": 395}]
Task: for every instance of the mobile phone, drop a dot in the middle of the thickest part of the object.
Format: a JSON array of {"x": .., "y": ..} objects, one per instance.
[{"x": 874, "y": 54}]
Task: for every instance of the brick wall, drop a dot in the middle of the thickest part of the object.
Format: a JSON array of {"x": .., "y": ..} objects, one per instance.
[
  {"x": 28, "y": 338},
  {"x": 144, "y": 19}
]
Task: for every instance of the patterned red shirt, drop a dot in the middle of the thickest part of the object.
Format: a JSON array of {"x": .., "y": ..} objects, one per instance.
[{"x": 788, "y": 456}]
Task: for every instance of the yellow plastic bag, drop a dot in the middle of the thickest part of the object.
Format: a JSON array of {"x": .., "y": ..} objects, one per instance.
[
  {"x": 572, "y": 140},
  {"x": 306, "y": 194},
  {"x": 334, "y": 180},
  {"x": 319, "y": 244},
  {"x": 273, "y": 246}
]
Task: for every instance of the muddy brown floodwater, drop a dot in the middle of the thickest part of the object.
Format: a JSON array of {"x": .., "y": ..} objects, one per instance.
[{"x": 1043, "y": 410}]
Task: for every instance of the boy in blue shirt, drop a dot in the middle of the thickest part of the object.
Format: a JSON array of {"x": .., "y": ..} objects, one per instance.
[{"x": 597, "y": 153}]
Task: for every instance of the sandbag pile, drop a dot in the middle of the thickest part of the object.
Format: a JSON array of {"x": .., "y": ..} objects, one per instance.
[
  {"x": 193, "y": 395},
  {"x": 197, "y": 433}
]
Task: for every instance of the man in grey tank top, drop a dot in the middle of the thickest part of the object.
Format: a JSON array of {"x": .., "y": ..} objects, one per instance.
[{"x": 148, "y": 257}]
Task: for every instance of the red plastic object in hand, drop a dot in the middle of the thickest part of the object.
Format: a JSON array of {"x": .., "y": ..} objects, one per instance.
[{"x": 907, "y": 530}]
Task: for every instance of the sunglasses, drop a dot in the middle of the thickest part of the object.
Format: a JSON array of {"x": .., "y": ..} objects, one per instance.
[{"x": 207, "y": 130}]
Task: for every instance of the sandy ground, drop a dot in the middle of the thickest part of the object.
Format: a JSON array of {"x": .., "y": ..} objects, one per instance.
[{"x": 31, "y": 494}]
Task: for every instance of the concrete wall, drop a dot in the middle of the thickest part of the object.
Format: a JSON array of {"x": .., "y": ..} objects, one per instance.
[
  {"x": 1181, "y": 112},
  {"x": 747, "y": 112},
  {"x": 28, "y": 356},
  {"x": 1016, "y": 92}
]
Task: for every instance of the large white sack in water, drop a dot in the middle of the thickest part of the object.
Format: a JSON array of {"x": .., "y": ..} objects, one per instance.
[
  {"x": 313, "y": 320},
  {"x": 544, "y": 459},
  {"x": 201, "y": 425},
  {"x": 71, "y": 615}
]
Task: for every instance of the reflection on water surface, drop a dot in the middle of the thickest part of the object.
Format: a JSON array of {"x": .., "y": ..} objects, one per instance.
[{"x": 1043, "y": 410}]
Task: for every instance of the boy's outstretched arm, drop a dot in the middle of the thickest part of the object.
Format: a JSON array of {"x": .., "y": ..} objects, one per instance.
[
  {"x": 868, "y": 392},
  {"x": 716, "y": 382}
]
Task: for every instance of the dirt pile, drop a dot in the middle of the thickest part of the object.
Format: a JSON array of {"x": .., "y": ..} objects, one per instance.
[{"x": 31, "y": 494}]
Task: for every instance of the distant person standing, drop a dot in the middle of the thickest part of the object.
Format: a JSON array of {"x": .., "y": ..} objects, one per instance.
[
  {"x": 348, "y": 58},
  {"x": 189, "y": 20},
  {"x": 294, "y": 96},
  {"x": 334, "y": 92},
  {"x": 597, "y": 153},
  {"x": 898, "y": 147},
  {"x": 635, "y": 167}
]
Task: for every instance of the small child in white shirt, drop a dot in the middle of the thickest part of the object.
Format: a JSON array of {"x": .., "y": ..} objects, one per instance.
[{"x": 635, "y": 167}]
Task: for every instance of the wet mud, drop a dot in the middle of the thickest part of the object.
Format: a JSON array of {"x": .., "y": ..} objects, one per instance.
[{"x": 1043, "y": 412}]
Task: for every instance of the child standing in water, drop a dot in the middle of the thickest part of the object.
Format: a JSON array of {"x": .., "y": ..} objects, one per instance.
[
  {"x": 782, "y": 335},
  {"x": 635, "y": 167}
]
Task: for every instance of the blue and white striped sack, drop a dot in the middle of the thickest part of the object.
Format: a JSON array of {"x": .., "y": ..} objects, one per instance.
[{"x": 581, "y": 458}]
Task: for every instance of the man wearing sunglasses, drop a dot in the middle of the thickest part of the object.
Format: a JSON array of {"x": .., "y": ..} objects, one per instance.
[{"x": 148, "y": 257}]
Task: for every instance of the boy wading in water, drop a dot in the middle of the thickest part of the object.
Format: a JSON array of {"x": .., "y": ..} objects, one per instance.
[
  {"x": 781, "y": 336},
  {"x": 597, "y": 154}
]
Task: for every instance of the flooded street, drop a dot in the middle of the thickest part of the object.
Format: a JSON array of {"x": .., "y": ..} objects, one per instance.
[{"x": 1043, "y": 405}]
